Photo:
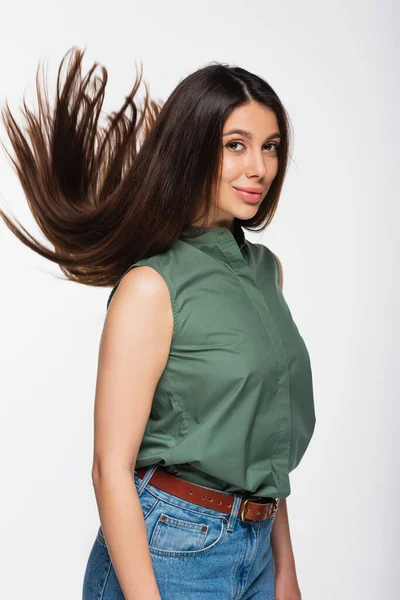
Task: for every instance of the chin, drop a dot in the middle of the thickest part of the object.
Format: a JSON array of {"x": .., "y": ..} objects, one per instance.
[{"x": 247, "y": 212}]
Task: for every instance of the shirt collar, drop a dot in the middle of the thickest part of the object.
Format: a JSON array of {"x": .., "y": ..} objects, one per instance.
[{"x": 211, "y": 234}]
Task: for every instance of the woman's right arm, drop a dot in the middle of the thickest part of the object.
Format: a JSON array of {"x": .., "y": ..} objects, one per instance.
[{"x": 134, "y": 350}]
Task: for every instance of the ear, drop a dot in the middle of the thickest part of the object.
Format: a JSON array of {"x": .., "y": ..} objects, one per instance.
[{"x": 280, "y": 271}]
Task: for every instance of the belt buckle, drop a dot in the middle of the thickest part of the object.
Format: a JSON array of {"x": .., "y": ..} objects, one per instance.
[{"x": 243, "y": 509}]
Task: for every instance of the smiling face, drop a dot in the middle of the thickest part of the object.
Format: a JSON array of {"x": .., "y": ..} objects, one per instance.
[{"x": 250, "y": 138}]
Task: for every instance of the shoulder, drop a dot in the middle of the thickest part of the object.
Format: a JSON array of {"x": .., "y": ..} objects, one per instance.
[
  {"x": 144, "y": 281},
  {"x": 142, "y": 288},
  {"x": 280, "y": 270},
  {"x": 265, "y": 258}
]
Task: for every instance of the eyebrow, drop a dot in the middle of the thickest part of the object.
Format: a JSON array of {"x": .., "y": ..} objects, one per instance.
[{"x": 249, "y": 135}]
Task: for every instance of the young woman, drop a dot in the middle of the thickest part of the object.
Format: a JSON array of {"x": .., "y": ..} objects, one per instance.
[{"x": 204, "y": 398}]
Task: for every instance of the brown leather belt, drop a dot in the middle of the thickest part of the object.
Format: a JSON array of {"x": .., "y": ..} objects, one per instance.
[{"x": 249, "y": 509}]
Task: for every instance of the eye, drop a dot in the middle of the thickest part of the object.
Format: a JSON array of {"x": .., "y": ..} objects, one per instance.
[
  {"x": 274, "y": 145},
  {"x": 229, "y": 145}
]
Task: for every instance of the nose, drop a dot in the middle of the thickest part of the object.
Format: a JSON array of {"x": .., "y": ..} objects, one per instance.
[{"x": 256, "y": 165}]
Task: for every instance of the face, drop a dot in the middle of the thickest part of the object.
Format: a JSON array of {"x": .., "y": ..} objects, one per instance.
[{"x": 249, "y": 160}]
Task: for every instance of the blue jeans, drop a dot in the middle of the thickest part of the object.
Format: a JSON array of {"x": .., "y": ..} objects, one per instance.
[{"x": 197, "y": 553}]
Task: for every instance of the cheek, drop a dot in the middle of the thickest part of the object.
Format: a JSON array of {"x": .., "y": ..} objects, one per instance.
[
  {"x": 272, "y": 168},
  {"x": 232, "y": 168}
]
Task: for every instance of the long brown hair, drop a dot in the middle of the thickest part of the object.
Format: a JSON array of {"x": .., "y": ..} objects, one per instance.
[{"x": 108, "y": 195}]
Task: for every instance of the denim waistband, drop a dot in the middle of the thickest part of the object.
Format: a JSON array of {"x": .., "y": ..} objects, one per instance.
[{"x": 231, "y": 518}]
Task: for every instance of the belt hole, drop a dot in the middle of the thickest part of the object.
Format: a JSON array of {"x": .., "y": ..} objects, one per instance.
[
  {"x": 190, "y": 492},
  {"x": 211, "y": 499},
  {"x": 259, "y": 513},
  {"x": 229, "y": 505},
  {"x": 219, "y": 501}
]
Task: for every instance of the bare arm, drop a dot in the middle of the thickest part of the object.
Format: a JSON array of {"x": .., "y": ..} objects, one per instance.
[
  {"x": 134, "y": 350},
  {"x": 281, "y": 542}
]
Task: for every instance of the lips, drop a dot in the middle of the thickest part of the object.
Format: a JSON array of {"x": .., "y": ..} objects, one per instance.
[
  {"x": 254, "y": 190},
  {"x": 249, "y": 197}
]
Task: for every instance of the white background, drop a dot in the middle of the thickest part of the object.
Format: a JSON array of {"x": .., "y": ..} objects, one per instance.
[{"x": 335, "y": 67}]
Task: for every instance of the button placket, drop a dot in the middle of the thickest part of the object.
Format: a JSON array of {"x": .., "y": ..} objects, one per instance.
[{"x": 239, "y": 266}]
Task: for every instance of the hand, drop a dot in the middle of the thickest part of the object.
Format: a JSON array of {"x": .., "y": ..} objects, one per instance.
[{"x": 287, "y": 587}]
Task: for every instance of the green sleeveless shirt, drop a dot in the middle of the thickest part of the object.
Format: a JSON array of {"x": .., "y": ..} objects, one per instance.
[{"x": 233, "y": 409}]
